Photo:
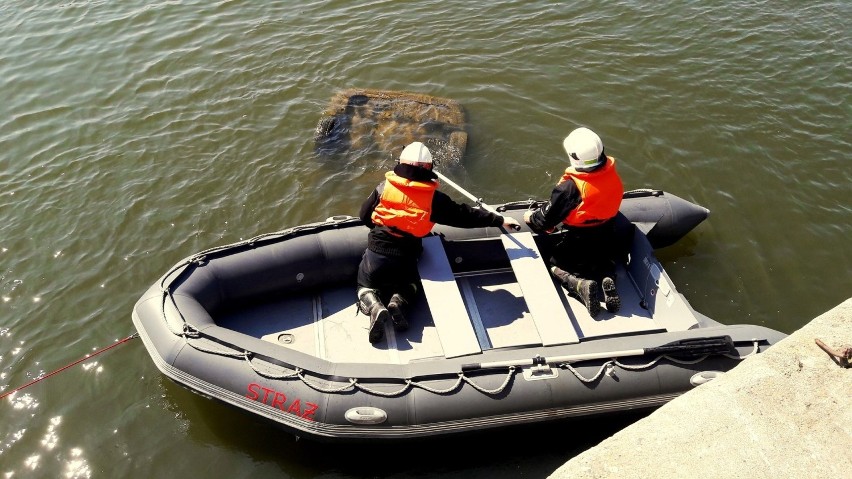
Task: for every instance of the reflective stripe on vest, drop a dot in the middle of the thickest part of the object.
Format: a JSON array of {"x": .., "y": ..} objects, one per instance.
[
  {"x": 600, "y": 192},
  {"x": 405, "y": 205}
]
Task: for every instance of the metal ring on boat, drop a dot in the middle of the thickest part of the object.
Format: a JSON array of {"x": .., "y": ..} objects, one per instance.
[{"x": 366, "y": 415}]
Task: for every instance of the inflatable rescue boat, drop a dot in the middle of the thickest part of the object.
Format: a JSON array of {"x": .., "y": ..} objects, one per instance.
[{"x": 270, "y": 325}]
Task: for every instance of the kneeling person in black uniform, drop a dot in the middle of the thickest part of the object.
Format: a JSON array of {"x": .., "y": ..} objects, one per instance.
[
  {"x": 400, "y": 212},
  {"x": 583, "y": 205}
]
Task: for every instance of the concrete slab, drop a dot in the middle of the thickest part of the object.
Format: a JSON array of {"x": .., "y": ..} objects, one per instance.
[{"x": 784, "y": 413}]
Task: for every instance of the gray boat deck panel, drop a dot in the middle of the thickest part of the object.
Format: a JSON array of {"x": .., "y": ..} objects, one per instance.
[
  {"x": 445, "y": 301},
  {"x": 465, "y": 314},
  {"x": 542, "y": 299},
  {"x": 497, "y": 301},
  {"x": 631, "y": 318},
  {"x": 329, "y": 326}
]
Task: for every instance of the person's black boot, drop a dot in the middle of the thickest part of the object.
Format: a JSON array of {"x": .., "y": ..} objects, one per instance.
[
  {"x": 369, "y": 301},
  {"x": 565, "y": 278},
  {"x": 583, "y": 289},
  {"x": 397, "y": 307},
  {"x": 588, "y": 292},
  {"x": 613, "y": 302}
]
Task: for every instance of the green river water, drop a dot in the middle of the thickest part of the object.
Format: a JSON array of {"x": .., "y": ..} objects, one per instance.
[{"x": 133, "y": 134}]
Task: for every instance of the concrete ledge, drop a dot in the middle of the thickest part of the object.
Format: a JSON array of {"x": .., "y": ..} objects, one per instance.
[{"x": 784, "y": 413}]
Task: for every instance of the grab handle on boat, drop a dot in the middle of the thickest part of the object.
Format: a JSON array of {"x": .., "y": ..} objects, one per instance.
[
  {"x": 684, "y": 348},
  {"x": 477, "y": 201}
]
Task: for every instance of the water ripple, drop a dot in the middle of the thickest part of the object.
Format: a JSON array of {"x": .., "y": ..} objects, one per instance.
[{"x": 134, "y": 133}]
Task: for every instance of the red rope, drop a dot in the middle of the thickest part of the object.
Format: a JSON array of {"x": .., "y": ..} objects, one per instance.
[{"x": 88, "y": 356}]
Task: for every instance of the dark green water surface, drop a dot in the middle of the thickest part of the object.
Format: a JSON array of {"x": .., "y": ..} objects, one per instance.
[{"x": 133, "y": 134}]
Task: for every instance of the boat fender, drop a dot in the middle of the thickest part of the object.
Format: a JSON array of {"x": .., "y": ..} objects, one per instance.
[
  {"x": 704, "y": 377},
  {"x": 366, "y": 415}
]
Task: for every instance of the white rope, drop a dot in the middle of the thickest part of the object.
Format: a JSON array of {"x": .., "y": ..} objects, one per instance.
[
  {"x": 217, "y": 352},
  {"x": 376, "y": 392},
  {"x": 438, "y": 391},
  {"x": 190, "y": 332},
  {"x": 317, "y": 387},
  {"x": 608, "y": 367},
  {"x": 248, "y": 356},
  {"x": 605, "y": 367},
  {"x": 754, "y": 351},
  {"x": 491, "y": 391},
  {"x": 355, "y": 383}
]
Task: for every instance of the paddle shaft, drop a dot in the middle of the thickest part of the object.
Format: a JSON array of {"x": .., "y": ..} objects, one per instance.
[
  {"x": 693, "y": 347},
  {"x": 477, "y": 201},
  {"x": 463, "y": 191},
  {"x": 573, "y": 358}
]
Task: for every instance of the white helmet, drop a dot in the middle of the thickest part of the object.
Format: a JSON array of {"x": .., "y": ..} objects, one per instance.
[
  {"x": 415, "y": 153},
  {"x": 585, "y": 149}
]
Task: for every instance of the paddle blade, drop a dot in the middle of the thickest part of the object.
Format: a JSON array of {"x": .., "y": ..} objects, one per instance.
[{"x": 696, "y": 347}]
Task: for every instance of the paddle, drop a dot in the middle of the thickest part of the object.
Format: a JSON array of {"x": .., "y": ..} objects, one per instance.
[
  {"x": 683, "y": 348},
  {"x": 477, "y": 201}
]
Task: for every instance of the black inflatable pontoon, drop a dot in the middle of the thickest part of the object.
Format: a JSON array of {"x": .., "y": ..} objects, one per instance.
[{"x": 270, "y": 326}]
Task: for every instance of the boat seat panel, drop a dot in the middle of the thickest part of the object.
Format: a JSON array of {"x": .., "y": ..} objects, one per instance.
[
  {"x": 328, "y": 326},
  {"x": 445, "y": 301},
  {"x": 543, "y": 300},
  {"x": 421, "y": 340},
  {"x": 497, "y": 302},
  {"x": 345, "y": 333}
]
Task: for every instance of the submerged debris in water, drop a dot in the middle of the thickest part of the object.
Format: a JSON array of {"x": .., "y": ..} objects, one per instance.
[{"x": 360, "y": 119}]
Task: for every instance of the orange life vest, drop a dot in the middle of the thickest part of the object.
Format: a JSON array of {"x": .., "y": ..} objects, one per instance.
[
  {"x": 601, "y": 191},
  {"x": 405, "y": 205}
]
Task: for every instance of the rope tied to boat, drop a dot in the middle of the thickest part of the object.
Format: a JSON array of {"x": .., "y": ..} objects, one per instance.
[
  {"x": 438, "y": 391},
  {"x": 377, "y": 392},
  {"x": 195, "y": 334},
  {"x": 43, "y": 376},
  {"x": 357, "y": 384},
  {"x": 167, "y": 295},
  {"x": 500, "y": 389},
  {"x": 248, "y": 357},
  {"x": 190, "y": 332},
  {"x": 605, "y": 368},
  {"x": 756, "y": 349},
  {"x": 608, "y": 367},
  {"x": 349, "y": 386}
]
